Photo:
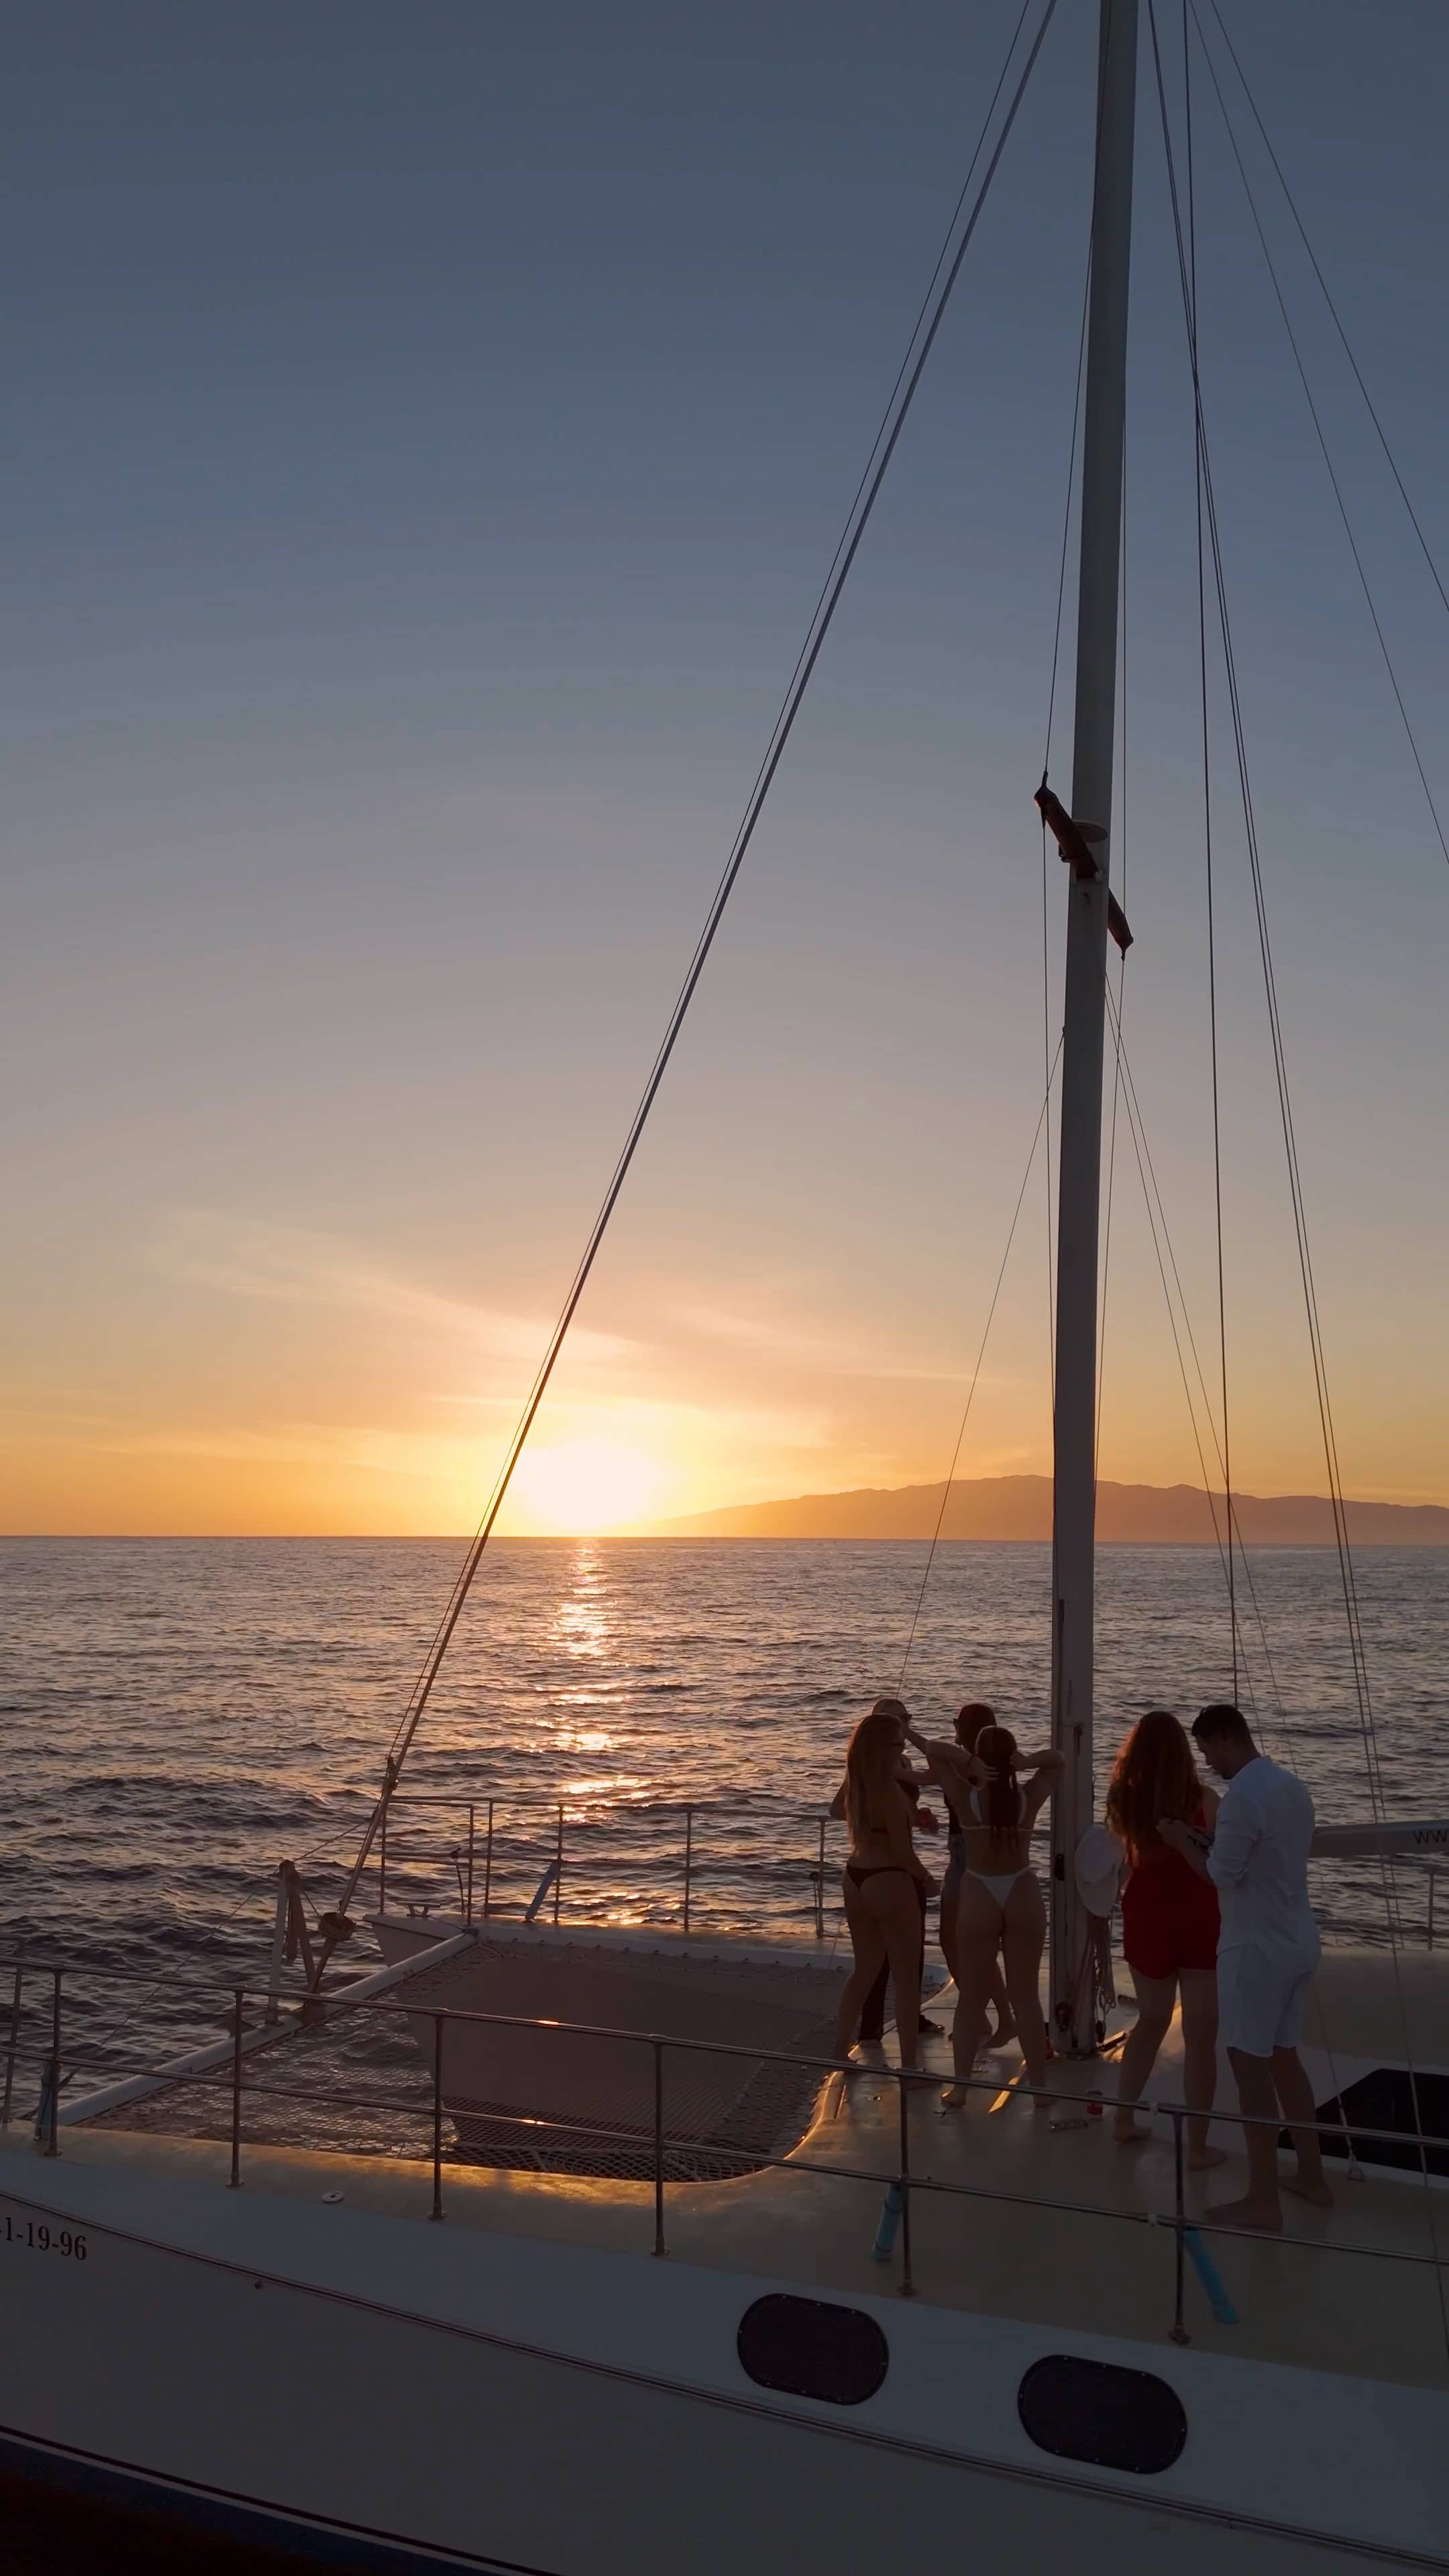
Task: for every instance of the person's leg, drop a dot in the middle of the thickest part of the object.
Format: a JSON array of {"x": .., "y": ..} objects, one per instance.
[
  {"x": 1155, "y": 1999},
  {"x": 1199, "y": 1988},
  {"x": 1260, "y": 2205},
  {"x": 934, "y": 2027},
  {"x": 870, "y": 1957},
  {"x": 1023, "y": 1940},
  {"x": 1295, "y": 2101},
  {"x": 892, "y": 1899},
  {"x": 872, "y": 2011},
  {"x": 978, "y": 1932},
  {"x": 1000, "y": 2003},
  {"x": 946, "y": 1927}
]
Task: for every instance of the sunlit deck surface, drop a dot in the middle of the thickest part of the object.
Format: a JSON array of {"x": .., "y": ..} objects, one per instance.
[{"x": 1065, "y": 2246}]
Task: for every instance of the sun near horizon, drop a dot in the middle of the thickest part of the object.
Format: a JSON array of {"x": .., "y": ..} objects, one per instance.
[{"x": 405, "y": 609}]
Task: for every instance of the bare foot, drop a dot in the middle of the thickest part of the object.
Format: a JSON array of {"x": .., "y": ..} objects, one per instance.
[
  {"x": 1264, "y": 2215},
  {"x": 1202, "y": 2159},
  {"x": 955, "y": 2097},
  {"x": 1317, "y": 2194},
  {"x": 1130, "y": 2133},
  {"x": 1003, "y": 2035}
]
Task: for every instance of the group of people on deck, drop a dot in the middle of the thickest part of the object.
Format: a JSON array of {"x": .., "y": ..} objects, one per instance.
[{"x": 1215, "y": 1916}]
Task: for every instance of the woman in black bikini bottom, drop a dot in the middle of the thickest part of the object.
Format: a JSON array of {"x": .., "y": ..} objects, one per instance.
[{"x": 880, "y": 1878}]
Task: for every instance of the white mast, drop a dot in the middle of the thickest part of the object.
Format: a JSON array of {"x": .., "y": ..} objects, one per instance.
[{"x": 1074, "y": 1465}]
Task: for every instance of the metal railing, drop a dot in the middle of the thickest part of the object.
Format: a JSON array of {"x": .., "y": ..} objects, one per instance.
[
  {"x": 520, "y": 1853},
  {"x": 903, "y": 2182},
  {"x": 482, "y": 1862}
]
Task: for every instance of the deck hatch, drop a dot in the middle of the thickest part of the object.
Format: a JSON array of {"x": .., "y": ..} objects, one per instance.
[
  {"x": 812, "y": 2348},
  {"x": 1095, "y": 2410}
]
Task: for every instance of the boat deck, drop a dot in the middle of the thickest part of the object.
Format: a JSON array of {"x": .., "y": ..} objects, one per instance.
[{"x": 1062, "y": 2227}]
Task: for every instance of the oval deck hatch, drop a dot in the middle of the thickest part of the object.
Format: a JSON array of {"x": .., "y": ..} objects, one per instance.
[
  {"x": 812, "y": 2348},
  {"x": 1095, "y": 2410}
]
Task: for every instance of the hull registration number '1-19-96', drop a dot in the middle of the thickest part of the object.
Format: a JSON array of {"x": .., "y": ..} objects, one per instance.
[{"x": 41, "y": 2238}]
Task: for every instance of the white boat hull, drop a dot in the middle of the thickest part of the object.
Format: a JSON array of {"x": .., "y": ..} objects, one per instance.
[{"x": 312, "y": 2373}]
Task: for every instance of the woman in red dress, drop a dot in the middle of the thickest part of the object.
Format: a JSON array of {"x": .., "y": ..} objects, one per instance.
[{"x": 1169, "y": 1925}]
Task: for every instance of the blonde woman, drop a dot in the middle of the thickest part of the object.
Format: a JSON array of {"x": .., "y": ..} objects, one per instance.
[{"x": 881, "y": 1877}]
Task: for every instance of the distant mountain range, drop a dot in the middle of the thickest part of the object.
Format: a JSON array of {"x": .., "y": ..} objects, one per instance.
[{"x": 1020, "y": 1507}]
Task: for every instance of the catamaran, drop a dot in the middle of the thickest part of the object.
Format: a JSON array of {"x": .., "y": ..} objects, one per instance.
[{"x": 667, "y": 2288}]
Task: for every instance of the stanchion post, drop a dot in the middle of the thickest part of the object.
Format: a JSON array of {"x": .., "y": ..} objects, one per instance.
[
  {"x": 659, "y": 2245},
  {"x": 52, "y": 2126},
  {"x": 908, "y": 2285},
  {"x": 558, "y": 1863},
  {"x": 688, "y": 1860},
  {"x": 237, "y": 1995},
  {"x": 472, "y": 1843},
  {"x": 488, "y": 1864},
  {"x": 1177, "y": 2331},
  {"x": 382, "y": 1859},
  {"x": 17, "y": 1993},
  {"x": 437, "y": 2208}
]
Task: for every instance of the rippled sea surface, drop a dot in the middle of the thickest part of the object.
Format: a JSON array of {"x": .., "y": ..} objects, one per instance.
[{"x": 179, "y": 1716}]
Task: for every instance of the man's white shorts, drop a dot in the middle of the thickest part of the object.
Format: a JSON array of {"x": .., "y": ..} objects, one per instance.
[{"x": 1260, "y": 2000}]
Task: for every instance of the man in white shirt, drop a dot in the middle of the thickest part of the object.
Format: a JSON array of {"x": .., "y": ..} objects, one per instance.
[{"x": 1257, "y": 1860}]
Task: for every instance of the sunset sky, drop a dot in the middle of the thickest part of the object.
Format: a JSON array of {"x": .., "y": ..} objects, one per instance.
[{"x": 425, "y": 435}]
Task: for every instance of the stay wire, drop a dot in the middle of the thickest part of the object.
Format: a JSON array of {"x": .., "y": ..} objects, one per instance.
[
  {"x": 1387, "y": 1871},
  {"x": 1291, "y": 202},
  {"x": 1344, "y": 1553},
  {"x": 1265, "y": 948},
  {"x": 976, "y": 1372},
  {"x": 1353, "y": 546},
  {"x": 1207, "y": 820},
  {"x": 886, "y": 442},
  {"x": 1218, "y": 1535},
  {"x": 1157, "y": 1216}
]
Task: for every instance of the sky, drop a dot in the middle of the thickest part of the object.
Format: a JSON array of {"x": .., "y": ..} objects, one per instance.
[{"x": 425, "y": 436}]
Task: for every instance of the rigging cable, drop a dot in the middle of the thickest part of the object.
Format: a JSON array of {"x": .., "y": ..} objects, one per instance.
[
  {"x": 1265, "y": 950},
  {"x": 1340, "y": 1522},
  {"x": 1389, "y": 458},
  {"x": 1327, "y": 457},
  {"x": 1157, "y": 1219},
  {"x": 1387, "y": 1870},
  {"x": 887, "y": 437},
  {"x": 976, "y": 1372},
  {"x": 1207, "y": 822}
]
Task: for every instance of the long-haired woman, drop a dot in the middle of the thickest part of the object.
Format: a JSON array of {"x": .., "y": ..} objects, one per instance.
[
  {"x": 999, "y": 1906},
  {"x": 881, "y": 1875},
  {"x": 954, "y": 1769},
  {"x": 1169, "y": 1924}
]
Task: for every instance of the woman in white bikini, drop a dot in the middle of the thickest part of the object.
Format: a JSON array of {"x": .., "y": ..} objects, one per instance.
[
  {"x": 954, "y": 1769},
  {"x": 881, "y": 1904},
  {"x": 999, "y": 1906}
]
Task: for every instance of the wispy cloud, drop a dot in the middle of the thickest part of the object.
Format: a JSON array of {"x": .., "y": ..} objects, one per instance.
[
  {"x": 795, "y": 1342},
  {"x": 246, "y": 1257}
]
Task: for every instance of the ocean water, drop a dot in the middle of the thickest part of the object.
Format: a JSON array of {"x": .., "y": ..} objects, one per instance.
[{"x": 178, "y": 1716}]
